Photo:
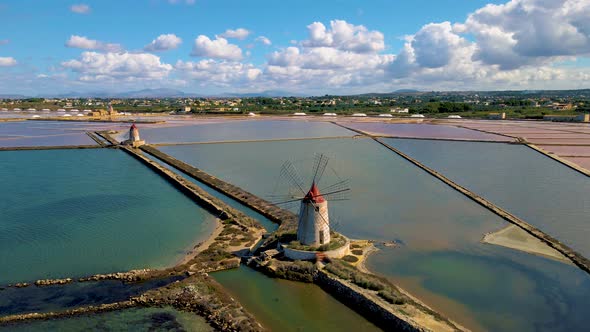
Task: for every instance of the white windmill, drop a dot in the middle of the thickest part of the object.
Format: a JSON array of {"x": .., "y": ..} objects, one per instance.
[{"x": 313, "y": 228}]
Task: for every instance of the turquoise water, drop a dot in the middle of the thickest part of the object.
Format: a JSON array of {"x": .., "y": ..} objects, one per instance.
[
  {"x": 68, "y": 213},
  {"x": 282, "y": 305},
  {"x": 242, "y": 130},
  {"x": 441, "y": 259},
  {"x": 48, "y": 133},
  {"x": 135, "y": 319},
  {"x": 537, "y": 189},
  {"x": 264, "y": 221}
]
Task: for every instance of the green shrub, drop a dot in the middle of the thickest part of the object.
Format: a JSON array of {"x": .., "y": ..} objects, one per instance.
[
  {"x": 390, "y": 297},
  {"x": 235, "y": 243},
  {"x": 350, "y": 258},
  {"x": 357, "y": 252},
  {"x": 367, "y": 282}
]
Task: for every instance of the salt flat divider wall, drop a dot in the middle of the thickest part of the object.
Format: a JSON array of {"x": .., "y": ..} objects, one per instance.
[
  {"x": 210, "y": 203},
  {"x": 576, "y": 258},
  {"x": 569, "y": 164},
  {"x": 581, "y": 261},
  {"x": 267, "y": 209},
  {"x": 68, "y": 313}
]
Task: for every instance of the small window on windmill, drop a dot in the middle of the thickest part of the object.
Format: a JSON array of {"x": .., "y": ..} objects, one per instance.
[
  {"x": 321, "y": 237},
  {"x": 317, "y": 209}
]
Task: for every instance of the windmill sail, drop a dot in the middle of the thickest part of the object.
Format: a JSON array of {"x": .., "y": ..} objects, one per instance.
[{"x": 314, "y": 221}]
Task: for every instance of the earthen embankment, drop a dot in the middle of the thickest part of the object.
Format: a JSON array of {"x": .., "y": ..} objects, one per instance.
[{"x": 267, "y": 209}]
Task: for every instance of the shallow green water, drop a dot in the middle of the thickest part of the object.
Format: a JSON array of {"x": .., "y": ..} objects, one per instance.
[
  {"x": 68, "y": 213},
  {"x": 282, "y": 305},
  {"x": 136, "y": 319},
  {"x": 441, "y": 259}
]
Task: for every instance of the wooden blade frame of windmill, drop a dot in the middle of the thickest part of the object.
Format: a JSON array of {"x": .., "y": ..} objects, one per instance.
[{"x": 315, "y": 234}]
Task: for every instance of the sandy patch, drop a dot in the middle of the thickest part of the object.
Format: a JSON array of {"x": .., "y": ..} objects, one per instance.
[
  {"x": 514, "y": 237},
  {"x": 199, "y": 247}
]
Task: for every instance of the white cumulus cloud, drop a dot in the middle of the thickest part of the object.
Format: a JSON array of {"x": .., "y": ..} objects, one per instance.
[
  {"x": 218, "y": 48},
  {"x": 525, "y": 32},
  {"x": 163, "y": 43},
  {"x": 239, "y": 33},
  {"x": 264, "y": 40},
  {"x": 220, "y": 73},
  {"x": 93, "y": 66},
  {"x": 435, "y": 45},
  {"x": 344, "y": 55},
  {"x": 80, "y": 8},
  {"x": 344, "y": 36},
  {"x": 91, "y": 44},
  {"x": 7, "y": 61}
]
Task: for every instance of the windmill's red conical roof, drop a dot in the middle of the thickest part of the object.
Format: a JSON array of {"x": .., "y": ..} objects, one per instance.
[
  {"x": 133, "y": 127},
  {"x": 314, "y": 195}
]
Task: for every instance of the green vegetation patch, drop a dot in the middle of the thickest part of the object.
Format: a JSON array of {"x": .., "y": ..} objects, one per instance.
[
  {"x": 348, "y": 272},
  {"x": 350, "y": 259},
  {"x": 297, "y": 270}
]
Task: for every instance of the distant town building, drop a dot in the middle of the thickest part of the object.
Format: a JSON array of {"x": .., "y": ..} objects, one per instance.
[
  {"x": 186, "y": 109},
  {"x": 400, "y": 110},
  {"x": 497, "y": 116},
  {"x": 102, "y": 113},
  {"x": 567, "y": 118},
  {"x": 562, "y": 107}
]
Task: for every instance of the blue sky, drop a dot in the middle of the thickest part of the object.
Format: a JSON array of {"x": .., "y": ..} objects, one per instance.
[{"x": 365, "y": 45}]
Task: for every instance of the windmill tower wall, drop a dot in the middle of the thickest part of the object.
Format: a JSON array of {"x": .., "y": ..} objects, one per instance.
[
  {"x": 133, "y": 134},
  {"x": 134, "y": 139},
  {"x": 314, "y": 226}
]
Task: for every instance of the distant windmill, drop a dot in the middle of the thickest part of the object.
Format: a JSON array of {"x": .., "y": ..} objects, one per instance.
[{"x": 313, "y": 227}]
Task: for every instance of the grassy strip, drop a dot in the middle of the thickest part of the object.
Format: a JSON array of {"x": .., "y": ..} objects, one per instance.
[{"x": 383, "y": 288}]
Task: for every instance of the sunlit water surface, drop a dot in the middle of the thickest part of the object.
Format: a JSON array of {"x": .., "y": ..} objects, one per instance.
[
  {"x": 534, "y": 187},
  {"x": 441, "y": 258}
]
